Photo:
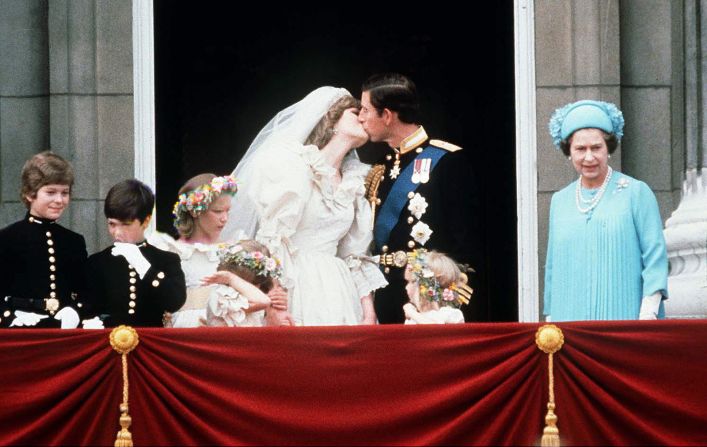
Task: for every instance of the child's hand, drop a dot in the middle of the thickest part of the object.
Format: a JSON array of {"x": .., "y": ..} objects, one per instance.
[
  {"x": 278, "y": 298},
  {"x": 410, "y": 310},
  {"x": 220, "y": 277}
]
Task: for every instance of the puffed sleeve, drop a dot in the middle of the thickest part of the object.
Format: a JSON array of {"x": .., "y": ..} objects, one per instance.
[
  {"x": 354, "y": 247},
  {"x": 649, "y": 228},
  {"x": 226, "y": 307},
  {"x": 280, "y": 187}
]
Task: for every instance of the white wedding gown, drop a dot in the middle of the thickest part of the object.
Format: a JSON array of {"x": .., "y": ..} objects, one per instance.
[{"x": 320, "y": 231}]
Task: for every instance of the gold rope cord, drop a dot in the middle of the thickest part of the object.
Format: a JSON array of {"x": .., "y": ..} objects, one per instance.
[
  {"x": 550, "y": 339},
  {"x": 124, "y": 339}
]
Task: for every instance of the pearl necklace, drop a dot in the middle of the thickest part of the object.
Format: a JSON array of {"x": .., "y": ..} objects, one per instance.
[{"x": 595, "y": 200}]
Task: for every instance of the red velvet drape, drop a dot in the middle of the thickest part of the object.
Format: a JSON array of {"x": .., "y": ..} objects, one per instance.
[{"x": 615, "y": 383}]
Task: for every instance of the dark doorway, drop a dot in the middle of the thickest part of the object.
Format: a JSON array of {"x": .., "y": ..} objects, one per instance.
[{"x": 223, "y": 71}]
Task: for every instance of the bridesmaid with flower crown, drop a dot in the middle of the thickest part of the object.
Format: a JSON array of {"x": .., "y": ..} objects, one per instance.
[
  {"x": 200, "y": 214},
  {"x": 606, "y": 257}
]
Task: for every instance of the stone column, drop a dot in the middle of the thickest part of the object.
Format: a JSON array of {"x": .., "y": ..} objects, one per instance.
[
  {"x": 91, "y": 85},
  {"x": 24, "y": 101},
  {"x": 686, "y": 230}
]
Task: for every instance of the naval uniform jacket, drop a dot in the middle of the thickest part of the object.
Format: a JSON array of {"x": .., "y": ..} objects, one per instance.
[
  {"x": 119, "y": 296},
  {"x": 450, "y": 214},
  {"x": 40, "y": 260}
]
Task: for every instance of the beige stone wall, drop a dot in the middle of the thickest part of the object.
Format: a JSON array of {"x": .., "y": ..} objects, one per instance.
[{"x": 69, "y": 87}]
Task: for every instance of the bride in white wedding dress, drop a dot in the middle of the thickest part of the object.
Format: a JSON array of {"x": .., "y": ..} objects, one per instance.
[{"x": 303, "y": 196}]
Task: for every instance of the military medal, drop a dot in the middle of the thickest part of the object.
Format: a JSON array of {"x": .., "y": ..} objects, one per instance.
[
  {"x": 395, "y": 170},
  {"x": 421, "y": 170}
]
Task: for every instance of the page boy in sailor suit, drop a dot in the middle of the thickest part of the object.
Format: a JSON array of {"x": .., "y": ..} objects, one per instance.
[
  {"x": 131, "y": 282},
  {"x": 422, "y": 192}
]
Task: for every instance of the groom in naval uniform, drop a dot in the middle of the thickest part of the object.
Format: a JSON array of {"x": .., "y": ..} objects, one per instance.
[{"x": 422, "y": 192}]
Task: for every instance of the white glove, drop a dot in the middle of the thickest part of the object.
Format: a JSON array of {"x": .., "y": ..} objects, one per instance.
[
  {"x": 93, "y": 323},
  {"x": 133, "y": 255},
  {"x": 69, "y": 318},
  {"x": 27, "y": 318},
  {"x": 650, "y": 306}
]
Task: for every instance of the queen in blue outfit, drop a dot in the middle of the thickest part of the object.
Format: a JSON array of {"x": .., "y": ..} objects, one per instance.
[{"x": 606, "y": 257}]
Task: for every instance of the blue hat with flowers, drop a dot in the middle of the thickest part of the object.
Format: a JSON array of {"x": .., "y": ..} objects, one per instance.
[{"x": 586, "y": 114}]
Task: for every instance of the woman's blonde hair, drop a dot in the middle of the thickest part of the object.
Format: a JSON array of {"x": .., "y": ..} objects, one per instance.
[
  {"x": 45, "y": 168},
  {"x": 264, "y": 283},
  {"x": 185, "y": 223},
  {"x": 324, "y": 130}
]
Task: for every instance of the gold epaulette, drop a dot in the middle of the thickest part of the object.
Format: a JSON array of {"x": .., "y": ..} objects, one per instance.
[
  {"x": 444, "y": 145},
  {"x": 373, "y": 180}
]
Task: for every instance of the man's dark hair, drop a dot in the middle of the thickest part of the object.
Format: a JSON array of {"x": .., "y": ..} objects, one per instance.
[
  {"x": 128, "y": 200},
  {"x": 395, "y": 92}
]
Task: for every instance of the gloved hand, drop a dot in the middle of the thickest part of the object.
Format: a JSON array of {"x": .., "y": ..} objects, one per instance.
[
  {"x": 133, "y": 255},
  {"x": 27, "y": 318},
  {"x": 93, "y": 323},
  {"x": 650, "y": 306},
  {"x": 69, "y": 318}
]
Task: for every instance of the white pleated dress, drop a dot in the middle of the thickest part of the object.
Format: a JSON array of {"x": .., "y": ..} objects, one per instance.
[{"x": 321, "y": 232}]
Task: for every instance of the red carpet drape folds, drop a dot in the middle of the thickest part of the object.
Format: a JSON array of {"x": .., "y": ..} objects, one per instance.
[{"x": 475, "y": 384}]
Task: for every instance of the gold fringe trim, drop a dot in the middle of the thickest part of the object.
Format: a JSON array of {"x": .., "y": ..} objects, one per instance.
[
  {"x": 124, "y": 339},
  {"x": 550, "y": 339}
]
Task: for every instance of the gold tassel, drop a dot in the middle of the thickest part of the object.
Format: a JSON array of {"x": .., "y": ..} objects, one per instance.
[
  {"x": 124, "y": 339},
  {"x": 550, "y": 339}
]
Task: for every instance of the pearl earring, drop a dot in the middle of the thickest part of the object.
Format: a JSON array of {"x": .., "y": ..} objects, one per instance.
[
  {"x": 609, "y": 155},
  {"x": 569, "y": 157}
]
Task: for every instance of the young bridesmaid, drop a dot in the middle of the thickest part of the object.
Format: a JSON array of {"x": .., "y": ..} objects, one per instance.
[
  {"x": 243, "y": 278},
  {"x": 436, "y": 288}
]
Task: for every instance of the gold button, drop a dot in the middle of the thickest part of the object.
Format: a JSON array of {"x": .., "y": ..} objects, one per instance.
[
  {"x": 382, "y": 177},
  {"x": 131, "y": 267},
  {"x": 52, "y": 294},
  {"x": 132, "y": 288},
  {"x": 52, "y": 259},
  {"x": 50, "y": 242},
  {"x": 133, "y": 296},
  {"x": 131, "y": 304},
  {"x": 52, "y": 277},
  {"x": 386, "y": 270},
  {"x": 385, "y": 249},
  {"x": 418, "y": 150},
  {"x": 155, "y": 283},
  {"x": 49, "y": 234},
  {"x": 80, "y": 305},
  {"x": 133, "y": 280},
  {"x": 132, "y": 273},
  {"x": 411, "y": 244},
  {"x": 388, "y": 157},
  {"x": 160, "y": 275},
  {"x": 51, "y": 251},
  {"x": 7, "y": 313},
  {"x": 411, "y": 195},
  {"x": 131, "y": 311},
  {"x": 52, "y": 286},
  {"x": 410, "y": 220},
  {"x": 52, "y": 268}
]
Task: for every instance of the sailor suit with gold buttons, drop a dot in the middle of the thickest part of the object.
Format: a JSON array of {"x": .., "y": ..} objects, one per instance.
[
  {"x": 423, "y": 197},
  {"x": 120, "y": 296},
  {"x": 41, "y": 270}
]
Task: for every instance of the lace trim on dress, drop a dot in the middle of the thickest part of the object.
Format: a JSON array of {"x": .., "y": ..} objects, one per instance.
[{"x": 352, "y": 170}]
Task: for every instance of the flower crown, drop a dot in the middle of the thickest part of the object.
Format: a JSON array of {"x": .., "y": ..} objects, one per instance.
[
  {"x": 196, "y": 201},
  {"x": 611, "y": 112},
  {"x": 455, "y": 295},
  {"x": 256, "y": 261}
]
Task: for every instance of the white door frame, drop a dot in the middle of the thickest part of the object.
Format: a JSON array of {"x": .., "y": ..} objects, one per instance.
[{"x": 526, "y": 163}]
